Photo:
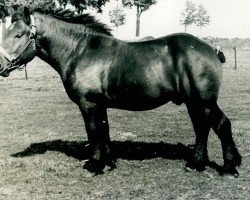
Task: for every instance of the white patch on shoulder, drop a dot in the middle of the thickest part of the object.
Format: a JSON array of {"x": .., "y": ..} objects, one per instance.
[{"x": 192, "y": 47}]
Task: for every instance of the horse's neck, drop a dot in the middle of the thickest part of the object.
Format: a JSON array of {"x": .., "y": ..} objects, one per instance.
[{"x": 57, "y": 41}]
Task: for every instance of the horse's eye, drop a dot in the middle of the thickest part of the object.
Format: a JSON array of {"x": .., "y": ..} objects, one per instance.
[{"x": 18, "y": 36}]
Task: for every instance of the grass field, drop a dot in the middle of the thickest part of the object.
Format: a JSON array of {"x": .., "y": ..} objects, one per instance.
[{"x": 42, "y": 144}]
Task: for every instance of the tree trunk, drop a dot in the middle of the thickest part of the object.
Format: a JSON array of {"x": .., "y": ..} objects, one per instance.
[
  {"x": 138, "y": 15},
  {"x": 1, "y": 26},
  {"x": 200, "y": 31},
  {"x": 3, "y": 30},
  {"x": 185, "y": 28}
]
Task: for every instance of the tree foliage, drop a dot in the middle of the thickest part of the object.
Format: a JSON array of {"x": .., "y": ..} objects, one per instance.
[
  {"x": 43, "y": 4},
  {"x": 9, "y": 7},
  {"x": 63, "y": 3},
  {"x": 3, "y": 11},
  {"x": 117, "y": 16},
  {"x": 142, "y": 5},
  {"x": 194, "y": 15},
  {"x": 82, "y": 5},
  {"x": 188, "y": 15},
  {"x": 202, "y": 18}
]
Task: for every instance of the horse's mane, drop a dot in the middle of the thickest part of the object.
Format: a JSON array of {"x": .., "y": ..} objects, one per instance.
[{"x": 70, "y": 16}]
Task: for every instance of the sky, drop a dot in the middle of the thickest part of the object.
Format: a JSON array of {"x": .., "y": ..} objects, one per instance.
[{"x": 229, "y": 19}]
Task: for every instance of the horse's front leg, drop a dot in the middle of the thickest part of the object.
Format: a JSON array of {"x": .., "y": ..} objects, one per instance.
[{"x": 97, "y": 128}]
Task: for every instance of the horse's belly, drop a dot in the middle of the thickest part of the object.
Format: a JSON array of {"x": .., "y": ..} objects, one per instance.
[
  {"x": 143, "y": 89},
  {"x": 137, "y": 107},
  {"x": 140, "y": 100}
]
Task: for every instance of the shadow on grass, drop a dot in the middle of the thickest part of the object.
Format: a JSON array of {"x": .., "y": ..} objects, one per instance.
[{"x": 121, "y": 149}]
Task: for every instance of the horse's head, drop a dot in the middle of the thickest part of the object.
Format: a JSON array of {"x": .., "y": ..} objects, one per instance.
[{"x": 18, "y": 47}]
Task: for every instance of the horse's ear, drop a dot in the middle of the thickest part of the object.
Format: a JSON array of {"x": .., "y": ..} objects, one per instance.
[{"x": 26, "y": 15}]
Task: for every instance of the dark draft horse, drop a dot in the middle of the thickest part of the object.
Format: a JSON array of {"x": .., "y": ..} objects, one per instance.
[{"x": 100, "y": 72}]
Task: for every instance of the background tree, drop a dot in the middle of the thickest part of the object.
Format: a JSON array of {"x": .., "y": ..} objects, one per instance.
[
  {"x": 3, "y": 14},
  {"x": 81, "y": 5},
  {"x": 141, "y": 6},
  {"x": 202, "y": 18},
  {"x": 43, "y": 4},
  {"x": 63, "y": 3},
  {"x": 3, "y": 10},
  {"x": 8, "y": 7},
  {"x": 188, "y": 15},
  {"x": 117, "y": 16}
]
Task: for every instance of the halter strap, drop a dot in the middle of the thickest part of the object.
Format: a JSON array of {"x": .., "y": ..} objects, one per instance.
[{"x": 32, "y": 26}]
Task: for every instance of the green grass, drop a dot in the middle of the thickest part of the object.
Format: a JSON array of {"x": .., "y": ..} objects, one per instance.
[{"x": 39, "y": 120}]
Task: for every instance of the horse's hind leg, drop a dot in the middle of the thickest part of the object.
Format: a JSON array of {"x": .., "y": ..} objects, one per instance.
[
  {"x": 97, "y": 128},
  {"x": 201, "y": 126},
  {"x": 222, "y": 127}
]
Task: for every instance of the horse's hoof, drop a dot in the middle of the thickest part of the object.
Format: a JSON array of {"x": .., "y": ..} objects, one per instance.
[
  {"x": 230, "y": 171},
  {"x": 198, "y": 166},
  {"x": 233, "y": 158},
  {"x": 94, "y": 166},
  {"x": 111, "y": 164},
  {"x": 236, "y": 175},
  {"x": 188, "y": 169}
]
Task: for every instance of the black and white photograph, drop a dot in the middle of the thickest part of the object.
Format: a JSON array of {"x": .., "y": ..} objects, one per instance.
[{"x": 124, "y": 99}]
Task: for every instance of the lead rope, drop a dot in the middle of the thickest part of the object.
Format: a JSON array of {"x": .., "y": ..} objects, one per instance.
[
  {"x": 26, "y": 72},
  {"x": 24, "y": 67}
]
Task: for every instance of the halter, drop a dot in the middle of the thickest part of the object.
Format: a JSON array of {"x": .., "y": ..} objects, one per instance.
[{"x": 13, "y": 62}]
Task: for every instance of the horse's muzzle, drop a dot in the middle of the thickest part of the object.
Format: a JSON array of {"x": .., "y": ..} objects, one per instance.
[{"x": 4, "y": 72}]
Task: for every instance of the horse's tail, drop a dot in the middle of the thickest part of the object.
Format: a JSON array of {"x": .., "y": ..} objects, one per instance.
[{"x": 221, "y": 57}]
